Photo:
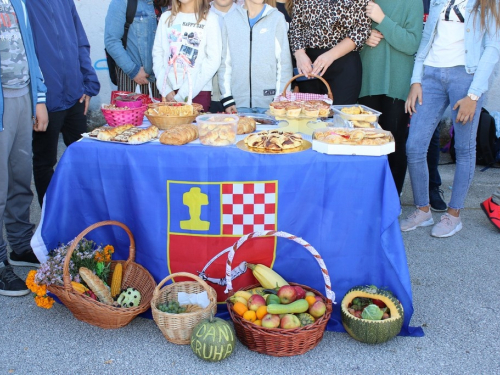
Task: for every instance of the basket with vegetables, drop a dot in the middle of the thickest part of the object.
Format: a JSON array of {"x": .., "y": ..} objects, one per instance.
[
  {"x": 279, "y": 318},
  {"x": 176, "y": 322},
  {"x": 371, "y": 315}
]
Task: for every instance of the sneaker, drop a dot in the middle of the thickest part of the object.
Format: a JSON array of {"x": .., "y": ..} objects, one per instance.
[
  {"x": 447, "y": 226},
  {"x": 26, "y": 259},
  {"x": 492, "y": 210},
  {"x": 417, "y": 218},
  {"x": 436, "y": 199},
  {"x": 10, "y": 284}
]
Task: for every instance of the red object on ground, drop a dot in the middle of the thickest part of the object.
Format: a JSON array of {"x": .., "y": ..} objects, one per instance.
[{"x": 492, "y": 210}]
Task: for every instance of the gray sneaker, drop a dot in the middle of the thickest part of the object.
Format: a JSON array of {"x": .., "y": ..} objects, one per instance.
[
  {"x": 417, "y": 218},
  {"x": 447, "y": 226}
]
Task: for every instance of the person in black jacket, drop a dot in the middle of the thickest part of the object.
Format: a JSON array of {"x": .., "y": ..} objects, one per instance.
[{"x": 63, "y": 52}]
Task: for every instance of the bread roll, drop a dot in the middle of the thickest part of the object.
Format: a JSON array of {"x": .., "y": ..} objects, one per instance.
[
  {"x": 96, "y": 285},
  {"x": 179, "y": 134},
  {"x": 246, "y": 125}
]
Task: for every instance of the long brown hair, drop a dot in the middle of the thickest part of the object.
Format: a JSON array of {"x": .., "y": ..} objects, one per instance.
[
  {"x": 201, "y": 9},
  {"x": 288, "y": 5},
  {"x": 487, "y": 10}
]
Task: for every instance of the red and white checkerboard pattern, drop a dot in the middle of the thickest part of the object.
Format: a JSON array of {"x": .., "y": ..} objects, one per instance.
[
  {"x": 248, "y": 207},
  {"x": 292, "y": 96}
]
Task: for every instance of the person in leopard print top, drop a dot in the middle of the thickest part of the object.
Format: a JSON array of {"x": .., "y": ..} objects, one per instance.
[{"x": 325, "y": 36}]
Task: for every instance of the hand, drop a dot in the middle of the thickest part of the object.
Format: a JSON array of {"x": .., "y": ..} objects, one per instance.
[
  {"x": 304, "y": 64},
  {"x": 466, "y": 111},
  {"x": 374, "y": 38},
  {"x": 231, "y": 109},
  {"x": 171, "y": 97},
  {"x": 142, "y": 77},
  {"x": 374, "y": 11},
  {"x": 414, "y": 95},
  {"x": 87, "y": 101},
  {"x": 322, "y": 63},
  {"x": 41, "y": 118},
  {"x": 296, "y": 89}
]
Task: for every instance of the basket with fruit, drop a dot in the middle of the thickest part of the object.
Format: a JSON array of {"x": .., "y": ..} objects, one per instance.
[
  {"x": 131, "y": 284},
  {"x": 276, "y": 317},
  {"x": 175, "y": 321}
]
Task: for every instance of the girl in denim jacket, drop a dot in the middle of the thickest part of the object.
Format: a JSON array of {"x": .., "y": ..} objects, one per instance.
[{"x": 458, "y": 52}]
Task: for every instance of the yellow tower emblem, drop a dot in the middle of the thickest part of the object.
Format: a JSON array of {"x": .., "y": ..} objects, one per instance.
[{"x": 194, "y": 199}]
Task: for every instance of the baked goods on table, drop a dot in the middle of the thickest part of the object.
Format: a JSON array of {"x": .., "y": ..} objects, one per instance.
[
  {"x": 246, "y": 125},
  {"x": 274, "y": 140},
  {"x": 345, "y": 136},
  {"x": 217, "y": 129},
  {"x": 125, "y": 134},
  {"x": 360, "y": 116},
  {"x": 297, "y": 108},
  {"x": 170, "y": 109},
  {"x": 179, "y": 134}
]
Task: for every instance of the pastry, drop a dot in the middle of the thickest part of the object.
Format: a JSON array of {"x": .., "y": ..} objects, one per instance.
[
  {"x": 246, "y": 125},
  {"x": 311, "y": 110},
  {"x": 107, "y": 135},
  {"x": 353, "y": 137},
  {"x": 144, "y": 135},
  {"x": 179, "y": 134},
  {"x": 274, "y": 140},
  {"x": 293, "y": 110},
  {"x": 96, "y": 285},
  {"x": 217, "y": 134}
]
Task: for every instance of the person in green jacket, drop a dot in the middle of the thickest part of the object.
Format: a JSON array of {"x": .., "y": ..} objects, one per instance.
[{"x": 387, "y": 59}]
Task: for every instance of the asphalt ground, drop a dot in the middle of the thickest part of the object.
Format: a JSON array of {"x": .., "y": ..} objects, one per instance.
[{"x": 456, "y": 289}]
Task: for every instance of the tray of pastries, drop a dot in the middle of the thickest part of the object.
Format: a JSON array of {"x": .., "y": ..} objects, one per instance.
[
  {"x": 300, "y": 109},
  {"x": 359, "y": 116},
  {"x": 348, "y": 141},
  {"x": 273, "y": 142},
  {"x": 125, "y": 134}
]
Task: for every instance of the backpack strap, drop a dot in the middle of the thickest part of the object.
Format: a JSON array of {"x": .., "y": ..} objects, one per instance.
[
  {"x": 486, "y": 136},
  {"x": 129, "y": 18}
]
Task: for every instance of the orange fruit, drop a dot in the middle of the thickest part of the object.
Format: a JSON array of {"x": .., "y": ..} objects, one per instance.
[
  {"x": 258, "y": 322},
  {"x": 240, "y": 308},
  {"x": 261, "y": 312},
  {"x": 250, "y": 316},
  {"x": 310, "y": 300}
]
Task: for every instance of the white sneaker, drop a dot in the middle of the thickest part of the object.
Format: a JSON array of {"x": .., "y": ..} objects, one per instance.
[
  {"x": 417, "y": 218},
  {"x": 447, "y": 226}
]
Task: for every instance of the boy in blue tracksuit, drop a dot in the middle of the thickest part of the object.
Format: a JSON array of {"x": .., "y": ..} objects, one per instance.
[
  {"x": 63, "y": 52},
  {"x": 22, "y": 110}
]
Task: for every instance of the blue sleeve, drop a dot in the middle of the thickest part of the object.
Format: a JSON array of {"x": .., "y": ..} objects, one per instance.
[{"x": 90, "y": 81}]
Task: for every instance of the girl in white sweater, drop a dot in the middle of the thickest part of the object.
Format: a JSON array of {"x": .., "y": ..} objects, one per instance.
[{"x": 187, "y": 47}]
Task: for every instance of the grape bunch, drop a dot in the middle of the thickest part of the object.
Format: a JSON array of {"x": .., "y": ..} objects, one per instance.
[{"x": 171, "y": 307}]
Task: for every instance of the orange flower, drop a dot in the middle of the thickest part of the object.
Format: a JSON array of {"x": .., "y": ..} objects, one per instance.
[
  {"x": 30, "y": 281},
  {"x": 109, "y": 249},
  {"x": 44, "y": 302}
]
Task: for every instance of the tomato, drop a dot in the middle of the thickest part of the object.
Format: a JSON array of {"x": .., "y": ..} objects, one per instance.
[{"x": 379, "y": 303}]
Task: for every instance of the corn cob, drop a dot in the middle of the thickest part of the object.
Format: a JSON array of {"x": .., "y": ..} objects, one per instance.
[{"x": 116, "y": 281}]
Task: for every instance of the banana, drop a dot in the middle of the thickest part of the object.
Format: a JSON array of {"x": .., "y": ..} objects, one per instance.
[
  {"x": 235, "y": 298},
  {"x": 266, "y": 276},
  {"x": 242, "y": 293},
  {"x": 259, "y": 290}
]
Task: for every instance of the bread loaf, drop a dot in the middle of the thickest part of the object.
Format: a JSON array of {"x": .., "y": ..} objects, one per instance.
[
  {"x": 179, "y": 134},
  {"x": 96, "y": 285},
  {"x": 246, "y": 125}
]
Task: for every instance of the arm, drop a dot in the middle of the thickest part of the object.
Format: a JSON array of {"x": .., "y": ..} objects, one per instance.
[
  {"x": 284, "y": 69},
  {"x": 161, "y": 54},
  {"x": 297, "y": 29},
  {"x": 212, "y": 49},
  {"x": 91, "y": 84},
  {"x": 113, "y": 33},
  {"x": 418, "y": 68},
  {"x": 225, "y": 72},
  {"x": 406, "y": 37}
]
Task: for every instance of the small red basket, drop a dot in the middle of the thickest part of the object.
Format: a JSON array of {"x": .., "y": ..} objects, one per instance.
[
  {"x": 144, "y": 98},
  {"x": 118, "y": 117}
]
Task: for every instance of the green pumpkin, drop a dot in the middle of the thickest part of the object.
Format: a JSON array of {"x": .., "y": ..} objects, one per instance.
[
  {"x": 305, "y": 319},
  {"x": 372, "y": 331},
  {"x": 213, "y": 339}
]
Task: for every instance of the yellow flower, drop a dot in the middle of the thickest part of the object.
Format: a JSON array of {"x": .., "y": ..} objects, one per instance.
[
  {"x": 45, "y": 302},
  {"x": 109, "y": 249}
]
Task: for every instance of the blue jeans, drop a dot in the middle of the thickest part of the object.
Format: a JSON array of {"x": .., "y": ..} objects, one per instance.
[
  {"x": 252, "y": 110},
  {"x": 442, "y": 87}
]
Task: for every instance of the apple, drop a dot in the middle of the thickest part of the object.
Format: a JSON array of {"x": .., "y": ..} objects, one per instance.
[
  {"x": 318, "y": 309},
  {"x": 255, "y": 301},
  {"x": 318, "y": 298},
  {"x": 310, "y": 294},
  {"x": 301, "y": 293},
  {"x": 287, "y": 294},
  {"x": 290, "y": 321},
  {"x": 271, "y": 321}
]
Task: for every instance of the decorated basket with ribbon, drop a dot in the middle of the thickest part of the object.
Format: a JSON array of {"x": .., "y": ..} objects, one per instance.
[{"x": 276, "y": 341}]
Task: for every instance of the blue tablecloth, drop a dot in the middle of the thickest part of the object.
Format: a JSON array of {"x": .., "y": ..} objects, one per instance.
[{"x": 186, "y": 204}]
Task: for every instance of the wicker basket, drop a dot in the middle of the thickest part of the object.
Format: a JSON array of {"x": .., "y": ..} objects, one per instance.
[
  {"x": 177, "y": 328},
  {"x": 289, "y": 95},
  {"x": 164, "y": 122},
  {"x": 118, "y": 117},
  {"x": 275, "y": 341},
  {"x": 99, "y": 314}
]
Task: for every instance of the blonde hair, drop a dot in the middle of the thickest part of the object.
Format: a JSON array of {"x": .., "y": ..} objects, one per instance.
[
  {"x": 488, "y": 9},
  {"x": 201, "y": 9}
]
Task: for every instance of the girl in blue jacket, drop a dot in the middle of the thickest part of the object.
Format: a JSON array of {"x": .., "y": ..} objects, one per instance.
[{"x": 459, "y": 49}]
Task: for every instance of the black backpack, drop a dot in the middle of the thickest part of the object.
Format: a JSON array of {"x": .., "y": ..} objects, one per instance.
[
  {"x": 129, "y": 18},
  {"x": 487, "y": 143}
]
